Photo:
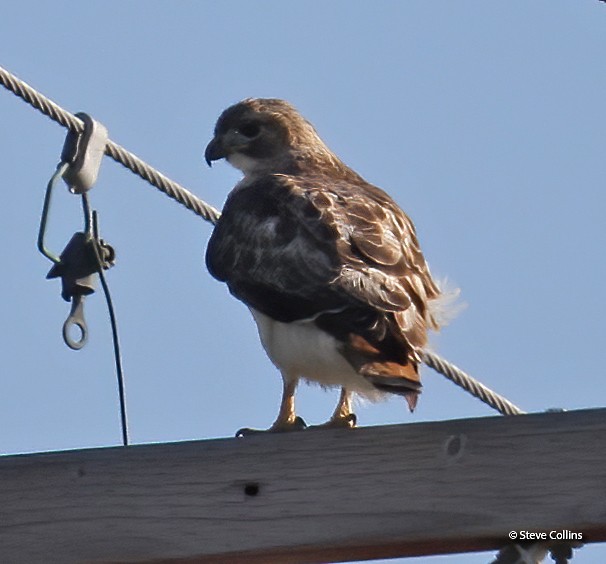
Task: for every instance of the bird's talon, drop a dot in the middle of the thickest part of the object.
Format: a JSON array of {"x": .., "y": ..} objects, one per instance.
[
  {"x": 297, "y": 425},
  {"x": 247, "y": 431},
  {"x": 345, "y": 422}
]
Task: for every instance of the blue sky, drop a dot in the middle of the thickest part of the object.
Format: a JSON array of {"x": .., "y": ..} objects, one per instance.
[{"x": 484, "y": 120}]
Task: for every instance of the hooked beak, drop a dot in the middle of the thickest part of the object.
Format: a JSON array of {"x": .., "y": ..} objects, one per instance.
[{"x": 214, "y": 151}]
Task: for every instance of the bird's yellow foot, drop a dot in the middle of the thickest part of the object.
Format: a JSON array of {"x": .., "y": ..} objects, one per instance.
[
  {"x": 279, "y": 427},
  {"x": 348, "y": 421}
]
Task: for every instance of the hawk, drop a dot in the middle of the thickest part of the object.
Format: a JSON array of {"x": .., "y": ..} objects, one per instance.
[{"x": 328, "y": 264}]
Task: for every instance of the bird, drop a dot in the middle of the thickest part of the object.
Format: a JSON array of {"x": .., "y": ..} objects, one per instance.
[{"x": 327, "y": 263}]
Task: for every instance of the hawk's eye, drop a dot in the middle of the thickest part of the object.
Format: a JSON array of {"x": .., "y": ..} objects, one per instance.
[{"x": 249, "y": 130}]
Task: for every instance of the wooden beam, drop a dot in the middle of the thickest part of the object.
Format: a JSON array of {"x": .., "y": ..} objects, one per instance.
[{"x": 312, "y": 496}]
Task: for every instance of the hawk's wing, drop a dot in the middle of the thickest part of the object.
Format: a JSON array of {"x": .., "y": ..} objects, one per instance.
[
  {"x": 381, "y": 261},
  {"x": 343, "y": 254}
]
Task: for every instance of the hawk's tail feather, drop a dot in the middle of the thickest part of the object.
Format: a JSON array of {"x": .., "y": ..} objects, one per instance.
[
  {"x": 400, "y": 386},
  {"x": 387, "y": 367}
]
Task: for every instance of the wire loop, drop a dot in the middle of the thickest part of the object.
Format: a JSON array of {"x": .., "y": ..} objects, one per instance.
[{"x": 61, "y": 168}]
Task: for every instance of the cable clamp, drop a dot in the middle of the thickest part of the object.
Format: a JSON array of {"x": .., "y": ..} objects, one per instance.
[{"x": 84, "y": 152}]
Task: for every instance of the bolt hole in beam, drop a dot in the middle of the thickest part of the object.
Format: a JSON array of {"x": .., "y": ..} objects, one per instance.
[
  {"x": 251, "y": 489},
  {"x": 455, "y": 445}
]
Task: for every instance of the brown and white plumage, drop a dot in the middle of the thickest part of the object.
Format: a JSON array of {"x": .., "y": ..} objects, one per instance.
[{"x": 328, "y": 264}]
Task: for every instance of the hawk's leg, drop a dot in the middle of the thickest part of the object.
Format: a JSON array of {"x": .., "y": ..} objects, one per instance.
[
  {"x": 343, "y": 417},
  {"x": 287, "y": 419}
]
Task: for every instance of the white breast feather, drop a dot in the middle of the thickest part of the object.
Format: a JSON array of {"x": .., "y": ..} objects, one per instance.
[{"x": 301, "y": 349}]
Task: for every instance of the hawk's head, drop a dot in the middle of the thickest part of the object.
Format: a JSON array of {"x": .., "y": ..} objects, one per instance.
[{"x": 267, "y": 135}]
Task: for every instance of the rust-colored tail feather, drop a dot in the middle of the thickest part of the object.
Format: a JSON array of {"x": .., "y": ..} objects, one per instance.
[{"x": 399, "y": 376}]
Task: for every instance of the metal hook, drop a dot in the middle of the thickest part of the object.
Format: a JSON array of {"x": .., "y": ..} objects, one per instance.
[
  {"x": 76, "y": 318},
  {"x": 61, "y": 168}
]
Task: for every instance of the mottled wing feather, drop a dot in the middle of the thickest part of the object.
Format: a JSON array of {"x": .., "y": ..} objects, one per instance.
[
  {"x": 381, "y": 260},
  {"x": 373, "y": 234}
]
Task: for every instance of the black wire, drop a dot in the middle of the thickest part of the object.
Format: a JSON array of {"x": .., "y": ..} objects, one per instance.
[
  {"x": 113, "y": 322},
  {"x": 117, "y": 354}
]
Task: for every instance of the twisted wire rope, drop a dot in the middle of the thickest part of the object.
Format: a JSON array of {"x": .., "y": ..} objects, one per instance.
[
  {"x": 211, "y": 214},
  {"x": 469, "y": 384}
]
